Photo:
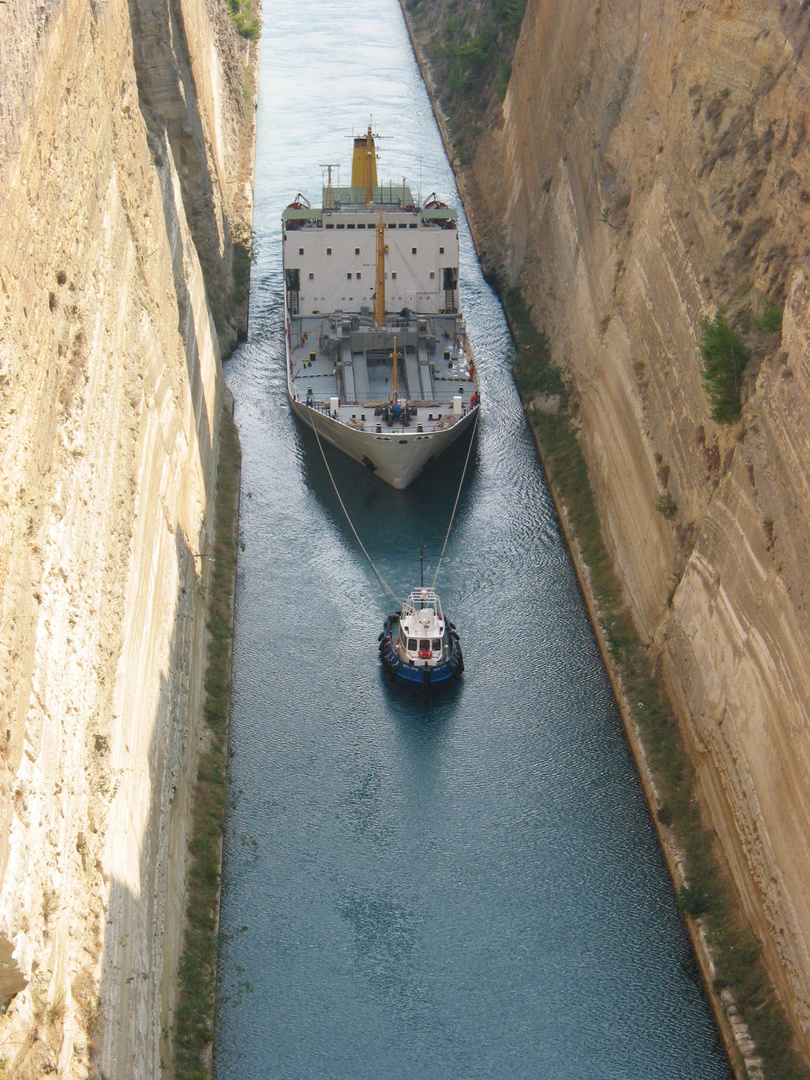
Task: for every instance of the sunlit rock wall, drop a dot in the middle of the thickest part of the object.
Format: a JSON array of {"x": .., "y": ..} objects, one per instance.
[
  {"x": 650, "y": 165},
  {"x": 115, "y": 214}
]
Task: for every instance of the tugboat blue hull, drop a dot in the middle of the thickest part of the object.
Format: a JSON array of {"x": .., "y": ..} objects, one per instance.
[{"x": 419, "y": 679}]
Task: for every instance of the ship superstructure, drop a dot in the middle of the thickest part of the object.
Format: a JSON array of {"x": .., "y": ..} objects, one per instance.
[{"x": 378, "y": 360}]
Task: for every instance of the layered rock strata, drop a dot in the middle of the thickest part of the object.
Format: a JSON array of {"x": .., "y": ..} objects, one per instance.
[
  {"x": 119, "y": 201},
  {"x": 649, "y": 166}
]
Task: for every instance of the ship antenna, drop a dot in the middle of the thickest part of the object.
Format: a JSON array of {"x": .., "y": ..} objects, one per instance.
[
  {"x": 422, "y": 566},
  {"x": 329, "y": 195},
  {"x": 369, "y": 165}
]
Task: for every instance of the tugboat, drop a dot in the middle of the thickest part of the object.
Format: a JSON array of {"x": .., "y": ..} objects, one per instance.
[
  {"x": 419, "y": 646},
  {"x": 378, "y": 360}
]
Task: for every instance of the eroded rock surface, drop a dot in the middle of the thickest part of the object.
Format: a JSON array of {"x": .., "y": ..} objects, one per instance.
[
  {"x": 650, "y": 164},
  {"x": 118, "y": 210}
]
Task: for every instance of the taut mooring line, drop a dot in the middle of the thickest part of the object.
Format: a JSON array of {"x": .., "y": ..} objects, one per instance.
[
  {"x": 458, "y": 495},
  {"x": 382, "y": 580}
]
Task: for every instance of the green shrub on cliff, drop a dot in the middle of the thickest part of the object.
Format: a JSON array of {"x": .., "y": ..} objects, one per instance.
[
  {"x": 770, "y": 321},
  {"x": 532, "y": 367},
  {"x": 724, "y": 358},
  {"x": 243, "y": 19},
  {"x": 196, "y": 1001},
  {"x": 470, "y": 50}
]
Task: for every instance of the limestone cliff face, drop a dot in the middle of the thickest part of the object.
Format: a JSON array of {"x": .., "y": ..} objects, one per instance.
[
  {"x": 118, "y": 131},
  {"x": 650, "y": 165}
]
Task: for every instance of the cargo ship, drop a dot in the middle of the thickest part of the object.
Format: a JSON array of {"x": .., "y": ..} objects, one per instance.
[{"x": 378, "y": 360}]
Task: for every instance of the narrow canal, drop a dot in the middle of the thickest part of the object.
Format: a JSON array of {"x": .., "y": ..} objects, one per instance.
[{"x": 466, "y": 891}]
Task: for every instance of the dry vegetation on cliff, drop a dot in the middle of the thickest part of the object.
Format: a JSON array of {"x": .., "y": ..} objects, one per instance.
[{"x": 193, "y": 1034}]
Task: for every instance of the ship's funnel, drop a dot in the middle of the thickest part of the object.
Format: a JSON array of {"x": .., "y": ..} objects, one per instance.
[{"x": 364, "y": 164}]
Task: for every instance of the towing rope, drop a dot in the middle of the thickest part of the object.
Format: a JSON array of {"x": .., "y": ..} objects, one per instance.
[
  {"x": 458, "y": 495},
  {"x": 380, "y": 578}
]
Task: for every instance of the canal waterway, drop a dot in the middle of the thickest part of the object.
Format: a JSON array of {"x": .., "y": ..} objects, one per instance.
[{"x": 470, "y": 890}]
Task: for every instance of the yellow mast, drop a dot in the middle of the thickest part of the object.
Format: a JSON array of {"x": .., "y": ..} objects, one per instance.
[{"x": 379, "y": 295}]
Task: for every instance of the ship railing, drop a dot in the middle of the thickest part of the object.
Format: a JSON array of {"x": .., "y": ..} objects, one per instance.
[
  {"x": 376, "y": 425},
  {"x": 420, "y": 599}
]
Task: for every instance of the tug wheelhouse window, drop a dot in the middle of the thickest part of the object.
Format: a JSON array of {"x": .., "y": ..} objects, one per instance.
[
  {"x": 424, "y": 645},
  {"x": 436, "y": 644},
  {"x": 411, "y": 644}
]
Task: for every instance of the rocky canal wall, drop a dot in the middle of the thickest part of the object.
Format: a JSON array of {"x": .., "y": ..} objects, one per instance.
[
  {"x": 125, "y": 167},
  {"x": 647, "y": 167}
]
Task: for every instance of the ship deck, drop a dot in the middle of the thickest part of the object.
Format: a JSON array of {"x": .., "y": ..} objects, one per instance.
[{"x": 342, "y": 364}]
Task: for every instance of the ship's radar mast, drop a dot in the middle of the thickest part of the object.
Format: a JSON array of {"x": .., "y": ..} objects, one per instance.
[{"x": 329, "y": 194}]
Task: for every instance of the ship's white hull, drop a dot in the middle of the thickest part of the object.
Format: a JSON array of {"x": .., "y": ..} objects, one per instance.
[{"x": 396, "y": 457}]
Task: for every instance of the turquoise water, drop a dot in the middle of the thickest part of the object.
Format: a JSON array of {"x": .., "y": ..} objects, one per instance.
[{"x": 470, "y": 890}]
